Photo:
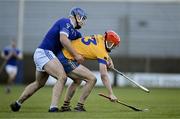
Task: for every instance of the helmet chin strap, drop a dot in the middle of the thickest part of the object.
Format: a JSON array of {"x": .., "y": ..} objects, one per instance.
[
  {"x": 107, "y": 49},
  {"x": 77, "y": 24}
]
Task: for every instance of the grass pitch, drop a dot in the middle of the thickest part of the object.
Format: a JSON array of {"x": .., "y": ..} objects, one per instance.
[{"x": 162, "y": 104}]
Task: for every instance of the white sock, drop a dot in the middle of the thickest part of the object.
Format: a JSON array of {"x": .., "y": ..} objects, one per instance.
[
  {"x": 18, "y": 103},
  {"x": 53, "y": 106}
]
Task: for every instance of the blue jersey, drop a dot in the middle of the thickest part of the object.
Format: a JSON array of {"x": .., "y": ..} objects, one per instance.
[
  {"x": 52, "y": 39},
  {"x": 13, "y": 59}
]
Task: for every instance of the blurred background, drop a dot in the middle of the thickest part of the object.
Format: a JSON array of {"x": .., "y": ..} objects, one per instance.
[{"x": 150, "y": 35}]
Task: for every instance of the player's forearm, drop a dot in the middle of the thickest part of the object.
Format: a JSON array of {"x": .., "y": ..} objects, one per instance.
[
  {"x": 20, "y": 56},
  {"x": 107, "y": 84},
  {"x": 110, "y": 63},
  {"x": 6, "y": 57},
  {"x": 67, "y": 45},
  {"x": 3, "y": 56}
]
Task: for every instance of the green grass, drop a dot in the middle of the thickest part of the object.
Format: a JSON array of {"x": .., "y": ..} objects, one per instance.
[{"x": 162, "y": 104}]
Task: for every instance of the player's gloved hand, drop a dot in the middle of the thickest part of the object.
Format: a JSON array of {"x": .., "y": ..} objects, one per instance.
[
  {"x": 79, "y": 59},
  {"x": 113, "y": 97}
]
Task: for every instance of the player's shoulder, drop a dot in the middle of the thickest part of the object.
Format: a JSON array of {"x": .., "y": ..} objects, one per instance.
[
  {"x": 88, "y": 37},
  {"x": 17, "y": 49},
  {"x": 98, "y": 37},
  {"x": 7, "y": 48},
  {"x": 63, "y": 20}
]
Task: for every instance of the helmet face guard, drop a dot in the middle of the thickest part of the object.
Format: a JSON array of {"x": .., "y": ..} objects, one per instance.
[
  {"x": 112, "y": 40},
  {"x": 109, "y": 45},
  {"x": 79, "y": 15}
]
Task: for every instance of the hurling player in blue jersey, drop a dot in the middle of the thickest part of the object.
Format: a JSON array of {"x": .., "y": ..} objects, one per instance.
[
  {"x": 11, "y": 54},
  {"x": 59, "y": 35}
]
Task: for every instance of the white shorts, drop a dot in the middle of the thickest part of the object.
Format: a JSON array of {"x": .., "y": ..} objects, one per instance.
[
  {"x": 41, "y": 57},
  {"x": 10, "y": 69}
]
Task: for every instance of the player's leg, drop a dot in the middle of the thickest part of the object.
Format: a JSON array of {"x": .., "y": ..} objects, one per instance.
[
  {"x": 69, "y": 94},
  {"x": 90, "y": 79},
  {"x": 12, "y": 72},
  {"x": 11, "y": 77},
  {"x": 76, "y": 71},
  {"x": 45, "y": 61},
  {"x": 85, "y": 74},
  {"x": 41, "y": 78},
  {"x": 71, "y": 89},
  {"x": 56, "y": 70}
]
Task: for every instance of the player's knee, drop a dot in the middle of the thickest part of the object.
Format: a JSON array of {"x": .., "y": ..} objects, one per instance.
[
  {"x": 40, "y": 84},
  {"x": 12, "y": 76},
  {"x": 77, "y": 82},
  {"x": 62, "y": 76},
  {"x": 93, "y": 80}
]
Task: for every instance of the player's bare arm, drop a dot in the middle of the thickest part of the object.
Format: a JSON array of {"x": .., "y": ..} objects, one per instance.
[
  {"x": 105, "y": 80},
  {"x": 17, "y": 55},
  {"x": 67, "y": 45},
  {"x": 20, "y": 56},
  {"x": 110, "y": 64},
  {"x": 6, "y": 57}
]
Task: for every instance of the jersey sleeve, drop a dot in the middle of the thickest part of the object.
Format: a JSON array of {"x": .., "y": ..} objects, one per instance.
[
  {"x": 102, "y": 56},
  {"x": 64, "y": 27},
  {"x": 6, "y": 51},
  {"x": 18, "y": 51}
]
